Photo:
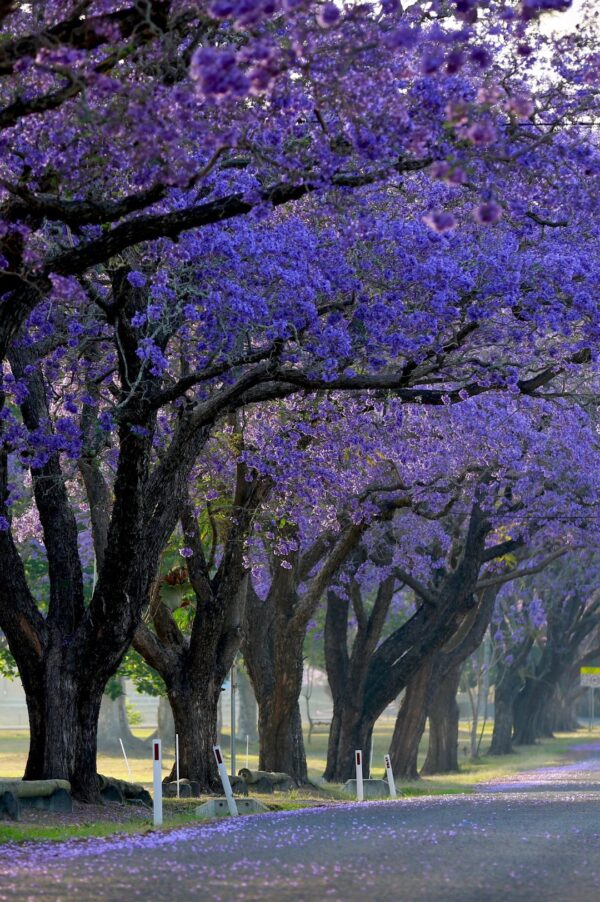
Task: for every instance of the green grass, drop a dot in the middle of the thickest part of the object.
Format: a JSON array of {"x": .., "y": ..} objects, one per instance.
[{"x": 179, "y": 812}]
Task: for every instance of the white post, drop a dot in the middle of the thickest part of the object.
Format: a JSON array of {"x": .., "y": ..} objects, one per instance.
[
  {"x": 390, "y": 776},
  {"x": 157, "y": 774},
  {"x": 360, "y": 795},
  {"x": 247, "y": 749},
  {"x": 125, "y": 756},
  {"x": 177, "y": 761},
  {"x": 225, "y": 781},
  {"x": 371, "y": 755}
]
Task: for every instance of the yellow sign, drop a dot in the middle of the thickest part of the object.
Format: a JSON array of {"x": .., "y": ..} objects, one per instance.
[{"x": 590, "y": 670}]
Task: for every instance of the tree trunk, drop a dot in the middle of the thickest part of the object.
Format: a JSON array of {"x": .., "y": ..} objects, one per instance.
[
  {"x": 410, "y": 724},
  {"x": 278, "y": 684},
  {"x": 84, "y": 777},
  {"x": 282, "y": 741},
  {"x": 273, "y": 654},
  {"x": 194, "y": 708},
  {"x": 565, "y": 717},
  {"x": 165, "y": 723},
  {"x": 528, "y": 710},
  {"x": 351, "y": 729},
  {"x": 442, "y": 753},
  {"x": 501, "y": 743},
  {"x": 113, "y": 725},
  {"x": 353, "y": 719},
  {"x": 64, "y": 715},
  {"x": 248, "y": 708}
]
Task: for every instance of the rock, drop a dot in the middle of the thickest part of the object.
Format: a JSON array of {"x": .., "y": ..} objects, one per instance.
[
  {"x": 115, "y": 790},
  {"x": 112, "y": 793},
  {"x": 264, "y": 781},
  {"x": 238, "y": 785},
  {"x": 24, "y": 789},
  {"x": 170, "y": 790},
  {"x": 9, "y": 806},
  {"x": 372, "y": 789},
  {"x": 43, "y": 795}
]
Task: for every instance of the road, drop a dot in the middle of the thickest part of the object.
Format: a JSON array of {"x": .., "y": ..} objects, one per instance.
[{"x": 536, "y": 839}]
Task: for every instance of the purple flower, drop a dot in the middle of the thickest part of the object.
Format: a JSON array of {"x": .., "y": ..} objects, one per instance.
[
  {"x": 481, "y": 57},
  {"x": 4, "y": 524},
  {"x": 186, "y": 552},
  {"x": 403, "y": 37},
  {"x": 454, "y": 61},
  {"x": 440, "y": 221},
  {"x": 521, "y": 107},
  {"x": 221, "y": 9},
  {"x": 217, "y": 74},
  {"x": 328, "y": 15},
  {"x": 137, "y": 279},
  {"x": 488, "y": 213},
  {"x": 481, "y": 133}
]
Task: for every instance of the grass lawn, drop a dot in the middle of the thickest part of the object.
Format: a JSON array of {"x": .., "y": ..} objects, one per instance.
[{"x": 89, "y": 821}]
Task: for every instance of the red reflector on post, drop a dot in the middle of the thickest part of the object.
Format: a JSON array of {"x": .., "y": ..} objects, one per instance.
[
  {"x": 218, "y": 756},
  {"x": 156, "y": 751},
  {"x": 358, "y": 757}
]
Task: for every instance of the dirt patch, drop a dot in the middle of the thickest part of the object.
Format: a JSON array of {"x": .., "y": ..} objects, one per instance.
[{"x": 86, "y": 815}]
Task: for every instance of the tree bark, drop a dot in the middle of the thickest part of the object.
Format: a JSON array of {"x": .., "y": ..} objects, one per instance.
[
  {"x": 195, "y": 722},
  {"x": 166, "y": 722},
  {"x": 528, "y": 712},
  {"x": 275, "y": 630},
  {"x": 352, "y": 725},
  {"x": 501, "y": 743},
  {"x": 410, "y": 724},
  {"x": 113, "y": 725},
  {"x": 275, "y": 666},
  {"x": 442, "y": 752},
  {"x": 248, "y": 710}
]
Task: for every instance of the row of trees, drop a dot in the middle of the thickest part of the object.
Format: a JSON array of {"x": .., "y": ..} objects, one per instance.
[{"x": 300, "y": 293}]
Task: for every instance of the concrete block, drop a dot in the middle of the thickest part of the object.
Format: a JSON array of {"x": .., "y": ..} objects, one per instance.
[
  {"x": 372, "y": 789},
  {"x": 218, "y": 808},
  {"x": 60, "y": 802},
  {"x": 9, "y": 806}
]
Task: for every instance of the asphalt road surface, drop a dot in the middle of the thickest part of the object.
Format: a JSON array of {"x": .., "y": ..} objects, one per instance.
[{"x": 536, "y": 839}]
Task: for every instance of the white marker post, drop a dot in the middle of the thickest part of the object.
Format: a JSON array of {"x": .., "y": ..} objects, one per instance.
[
  {"x": 125, "y": 756},
  {"x": 247, "y": 749},
  {"x": 390, "y": 776},
  {"x": 225, "y": 781},
  {"x": 157, "y": 783},
  {"x": 177, "y": 761},
  {"x": 360, "y": 795}
]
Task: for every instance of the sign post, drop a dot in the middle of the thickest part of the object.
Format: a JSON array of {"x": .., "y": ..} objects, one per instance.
[
  {"x": 225, "y": 781},
  {"x": 157, "y": 806},
  {"x": 125, "y": 756},
  {"x": 390, "y": 776},
  {"x": 360, "y": 795},
  {"x": 590, "y": 677},
  {"x": 177, "y": 761}
]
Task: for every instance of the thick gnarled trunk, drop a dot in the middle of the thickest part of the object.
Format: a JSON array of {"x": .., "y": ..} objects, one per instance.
[
  {"x": 501, "y": 743},
  {"x": 410, "y": 724},
  {"x": 442, "y": 752},
  {"x": 63, "y": 717},
  {"x": 275, "y": 667},
  {"x": 195, "y": 714}
]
